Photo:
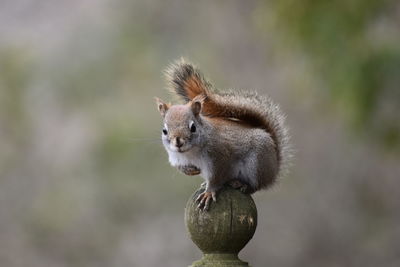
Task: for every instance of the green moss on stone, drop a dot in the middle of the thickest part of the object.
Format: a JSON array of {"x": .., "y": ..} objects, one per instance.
[{"x": 223, "y": 230}]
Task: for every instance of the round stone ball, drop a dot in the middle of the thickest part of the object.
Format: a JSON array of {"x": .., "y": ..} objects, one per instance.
[{"x": 227, "y": 226}]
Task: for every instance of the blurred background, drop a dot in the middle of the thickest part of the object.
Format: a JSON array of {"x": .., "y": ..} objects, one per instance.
[{"x": 84, "y": 179}]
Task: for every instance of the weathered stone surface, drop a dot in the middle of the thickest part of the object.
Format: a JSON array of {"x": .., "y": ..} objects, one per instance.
[{"x": 223, "y": 230}]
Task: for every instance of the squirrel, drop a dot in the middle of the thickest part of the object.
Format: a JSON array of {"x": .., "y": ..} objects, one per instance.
[{"x": 232, "y": 137}]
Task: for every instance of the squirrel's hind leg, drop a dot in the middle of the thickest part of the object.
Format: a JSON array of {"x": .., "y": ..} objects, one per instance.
[{"x": 242, "y": 186}]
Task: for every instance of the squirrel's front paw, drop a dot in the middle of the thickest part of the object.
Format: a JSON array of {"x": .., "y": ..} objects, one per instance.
[
  {"x": 189, "y": 170},
  {"x": 205, "y": 198}
]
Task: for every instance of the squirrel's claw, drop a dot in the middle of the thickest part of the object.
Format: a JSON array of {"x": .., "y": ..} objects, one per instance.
[
  {"x": 204, "y": 200},
  {"x": 214, "y": 196}
]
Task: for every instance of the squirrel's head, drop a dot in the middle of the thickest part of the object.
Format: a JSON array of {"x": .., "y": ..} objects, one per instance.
[{"x": 182, "y": 125}]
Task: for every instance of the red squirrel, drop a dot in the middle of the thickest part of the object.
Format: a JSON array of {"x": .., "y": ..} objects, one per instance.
[{"x": 234, "y": 137}]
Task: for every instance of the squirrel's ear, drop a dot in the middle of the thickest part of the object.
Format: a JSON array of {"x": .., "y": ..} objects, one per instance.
[
  {"x": 197, "y": 104},
  {"x": 162, "y": 107},
  {"x": 196, "y": 107}
]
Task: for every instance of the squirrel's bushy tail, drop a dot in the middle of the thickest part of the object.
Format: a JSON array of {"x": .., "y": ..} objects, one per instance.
[{"x": 187, "y": 82}]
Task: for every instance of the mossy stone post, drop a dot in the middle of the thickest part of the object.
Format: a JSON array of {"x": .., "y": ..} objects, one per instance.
[{"x": 222, "y": 231}]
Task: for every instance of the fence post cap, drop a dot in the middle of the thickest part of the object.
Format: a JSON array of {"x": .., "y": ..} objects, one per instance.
[{"x": 223, "y": 230}]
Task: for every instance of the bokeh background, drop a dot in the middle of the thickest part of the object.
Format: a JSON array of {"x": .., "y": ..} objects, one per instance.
[{"x": 84, "y": 179}]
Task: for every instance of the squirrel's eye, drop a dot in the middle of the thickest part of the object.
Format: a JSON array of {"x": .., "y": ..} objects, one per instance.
[
  {"x": 192, "y": 127},
  {"x": 165, "y": 132}
]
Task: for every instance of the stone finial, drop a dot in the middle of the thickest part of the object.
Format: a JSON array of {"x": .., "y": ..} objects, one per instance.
[{"x": 222, "y": 231}]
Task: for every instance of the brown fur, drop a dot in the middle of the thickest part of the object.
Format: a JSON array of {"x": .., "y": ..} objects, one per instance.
[{"x": 194, "y": 87}]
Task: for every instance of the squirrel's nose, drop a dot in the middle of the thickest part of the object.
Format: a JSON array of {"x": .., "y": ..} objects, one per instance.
[{"x": 178, "y": 142}]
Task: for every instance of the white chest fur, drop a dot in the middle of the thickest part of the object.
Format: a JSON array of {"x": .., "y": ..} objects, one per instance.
[{"x": 192, "y": 157}]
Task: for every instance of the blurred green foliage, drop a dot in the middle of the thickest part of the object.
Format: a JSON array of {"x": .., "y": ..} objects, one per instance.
[
  {"x": 16, "y": 71},
  {"x": 358, "y": 67}
]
